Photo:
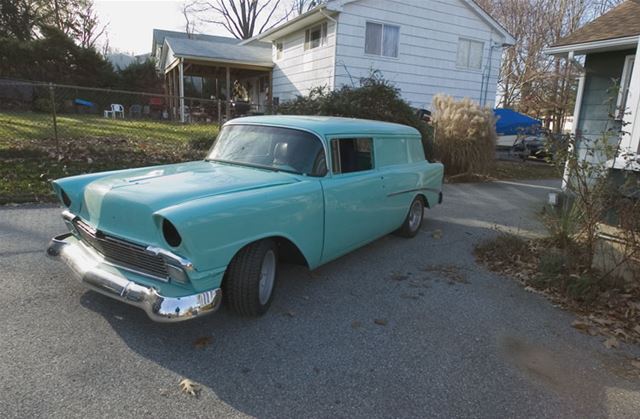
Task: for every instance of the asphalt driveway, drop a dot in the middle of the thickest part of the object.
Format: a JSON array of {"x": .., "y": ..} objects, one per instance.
[{"x": 451, "y": 339}]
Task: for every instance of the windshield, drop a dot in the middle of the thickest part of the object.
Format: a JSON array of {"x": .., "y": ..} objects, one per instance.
[{"x": 272, "y": 148}]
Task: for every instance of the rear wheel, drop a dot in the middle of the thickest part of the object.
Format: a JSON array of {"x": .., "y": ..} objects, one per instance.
[
  {"x": 251, "y": 278},
  {"x": 412, "y": 223}
]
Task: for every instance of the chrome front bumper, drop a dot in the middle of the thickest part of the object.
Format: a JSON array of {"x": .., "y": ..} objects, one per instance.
[{"x": 86, "y": 265}]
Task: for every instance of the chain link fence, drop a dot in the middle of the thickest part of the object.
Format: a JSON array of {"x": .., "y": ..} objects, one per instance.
[{"x": 49, "y": 131}]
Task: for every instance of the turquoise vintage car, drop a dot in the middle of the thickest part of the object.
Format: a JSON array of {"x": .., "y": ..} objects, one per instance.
[{"x": 173, "y": 240}]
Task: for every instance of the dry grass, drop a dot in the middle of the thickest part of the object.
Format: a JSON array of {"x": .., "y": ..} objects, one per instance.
[{"x": 465, "y": 136}]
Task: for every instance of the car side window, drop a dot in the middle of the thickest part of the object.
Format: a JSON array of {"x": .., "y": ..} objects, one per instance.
[
  {"x": 351, "y": 155},
  {"x": 391, "y": 151}
]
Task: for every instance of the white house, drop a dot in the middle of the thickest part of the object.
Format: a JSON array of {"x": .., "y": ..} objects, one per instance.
[{"x": 424, "y": 47}]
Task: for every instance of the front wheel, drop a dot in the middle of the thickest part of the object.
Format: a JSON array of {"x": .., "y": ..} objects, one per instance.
[
  {"x": 251, "y": 278},
  {"x": 412, "y": 223}
]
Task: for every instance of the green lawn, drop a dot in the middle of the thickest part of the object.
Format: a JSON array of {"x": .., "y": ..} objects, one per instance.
[
  {"x": 28, "y": 160},
  {"x": 35, "y": 126}
]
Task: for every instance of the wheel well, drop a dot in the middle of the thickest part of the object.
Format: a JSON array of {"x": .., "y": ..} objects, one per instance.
[
  {"x": 287, "y": 251},
  {"x": 290, "y": 253},
  {"x": 424, "y": 200}
]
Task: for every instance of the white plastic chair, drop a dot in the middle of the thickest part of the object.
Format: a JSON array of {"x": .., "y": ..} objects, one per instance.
[{"x": 117, "y": 109}]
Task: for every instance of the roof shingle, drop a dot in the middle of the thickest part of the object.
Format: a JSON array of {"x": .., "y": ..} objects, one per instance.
[{"x": 621, "y": 22}]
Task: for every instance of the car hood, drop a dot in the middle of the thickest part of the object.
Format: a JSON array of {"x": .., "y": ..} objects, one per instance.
[{"x": 123, "y": 203}]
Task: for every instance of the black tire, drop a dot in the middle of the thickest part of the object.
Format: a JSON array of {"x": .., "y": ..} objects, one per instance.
[
  {"x": 410, "y": 228},
  {"x": 241, "y": 287}
]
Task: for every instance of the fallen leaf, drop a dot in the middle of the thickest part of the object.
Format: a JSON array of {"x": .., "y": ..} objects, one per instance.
[
  {"x": 580, "y": 325},
  {"x": 380, "y": 322},
  {"x": 437, "y": 234},
  {"x": 290, "y": 313},
  {"x": 202, "y": 342},
  {"x": 356, "y": 324},
  {"x": 611, "y": 343},
  {"x": 398, "y": 277},
  {"x": 189, "y": 387}
]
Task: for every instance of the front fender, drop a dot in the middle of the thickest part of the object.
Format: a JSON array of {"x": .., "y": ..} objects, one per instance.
[{"x": 214, "y": 229}]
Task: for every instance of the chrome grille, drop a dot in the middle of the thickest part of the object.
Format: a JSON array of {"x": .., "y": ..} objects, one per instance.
[{"x": 122, "y": 253}]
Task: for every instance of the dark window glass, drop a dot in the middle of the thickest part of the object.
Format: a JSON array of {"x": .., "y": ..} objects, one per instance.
[{"x": 352, "y": 155}]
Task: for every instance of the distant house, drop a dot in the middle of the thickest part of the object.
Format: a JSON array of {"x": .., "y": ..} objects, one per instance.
[
  {"x": 424, "y": 47},
  {"x": 120, "y": 60},
  {"x": 609, "y": 89}
]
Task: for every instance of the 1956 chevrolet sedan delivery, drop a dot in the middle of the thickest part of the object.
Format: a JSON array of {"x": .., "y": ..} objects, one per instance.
[{"x": 174, "y": 240}]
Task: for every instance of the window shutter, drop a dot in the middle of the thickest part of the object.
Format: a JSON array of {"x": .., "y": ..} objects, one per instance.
[{"x": 307, "y": 39}]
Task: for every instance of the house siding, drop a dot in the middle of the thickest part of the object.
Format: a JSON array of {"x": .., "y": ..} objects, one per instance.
[
  {"x": 599, "y": 98},
  {"x": 298, "y": 71},
  {"x": 429, "y": 34}
]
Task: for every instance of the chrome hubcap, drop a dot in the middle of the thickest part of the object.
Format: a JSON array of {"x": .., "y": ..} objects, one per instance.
[
  {"x": 267, "y": 277},
  {"x": 415, "y": 216}
]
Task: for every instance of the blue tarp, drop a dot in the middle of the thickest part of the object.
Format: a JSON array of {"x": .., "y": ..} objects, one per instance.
[
  {"x": 83, "y": 102},
  {"x": 513, "y": 123}
]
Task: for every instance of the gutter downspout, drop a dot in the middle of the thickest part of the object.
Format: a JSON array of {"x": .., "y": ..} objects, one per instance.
[{"x": 335, "y": 47}]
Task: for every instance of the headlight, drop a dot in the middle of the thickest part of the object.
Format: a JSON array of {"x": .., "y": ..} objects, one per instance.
[
  {"x": 170, "y": 234},
  {"x": 65, "y": 198}
]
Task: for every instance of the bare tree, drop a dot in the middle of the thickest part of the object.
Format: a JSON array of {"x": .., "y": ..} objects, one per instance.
[
  {"x": 531, "y": 81},
  {"x": 189, "y": 20},
  {"x": 75, "y": 18},
  {"x": 88, "y": 29},
  {"x": 303, "y": 6},
  {"x": 241, "y": 18}
]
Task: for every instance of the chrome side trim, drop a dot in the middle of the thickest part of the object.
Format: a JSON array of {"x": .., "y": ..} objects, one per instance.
[
  {"x": 415, "y": 190},
  {"x": 88, "y": 269}
]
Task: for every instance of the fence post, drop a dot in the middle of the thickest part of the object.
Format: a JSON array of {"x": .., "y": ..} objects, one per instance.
[{"x": 52, "y": 95}]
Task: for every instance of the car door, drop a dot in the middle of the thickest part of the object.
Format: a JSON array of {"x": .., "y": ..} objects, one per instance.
[
  {"x": 400, "y": 176},
  {"x": 353, "y": 194}
]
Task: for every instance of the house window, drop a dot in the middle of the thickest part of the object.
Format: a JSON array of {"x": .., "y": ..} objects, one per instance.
[
  {"x": 352, "y": 155},
  {"x": 279, "y": 50},
  {"x": 382, "y": 39},
  {"x": 470, "y": 54},
  {"x": 625, "y": 82},
  {"x": 315, "y": 37}
]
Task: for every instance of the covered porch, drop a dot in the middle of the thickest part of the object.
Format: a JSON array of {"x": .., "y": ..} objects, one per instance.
[{"x": 216, "y": 80}]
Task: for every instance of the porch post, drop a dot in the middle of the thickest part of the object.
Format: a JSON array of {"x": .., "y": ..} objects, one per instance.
[
  {"x": 228, "y": 94},
  {"x": 181, "y": 81},
  {"x": 270, "y": 94},
  {"x": 169, "y": 101},
  {"x": 631, "y": 137},
  {"x": 576, "y": 120}
]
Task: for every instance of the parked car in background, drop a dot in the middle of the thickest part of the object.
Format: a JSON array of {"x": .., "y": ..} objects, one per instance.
[
  {"x": 545, "y": 145},
  {"x": 174, "y": 239}
]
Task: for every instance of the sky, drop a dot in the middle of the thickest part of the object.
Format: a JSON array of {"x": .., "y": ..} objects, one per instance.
[{"x": 131, "y": 23}]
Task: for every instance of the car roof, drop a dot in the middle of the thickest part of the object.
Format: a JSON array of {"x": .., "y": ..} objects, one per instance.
[{"x": 329, "y": 125}]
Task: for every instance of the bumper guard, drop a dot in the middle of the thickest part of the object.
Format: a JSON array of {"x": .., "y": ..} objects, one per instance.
[{"x": 85, "y": 264}]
